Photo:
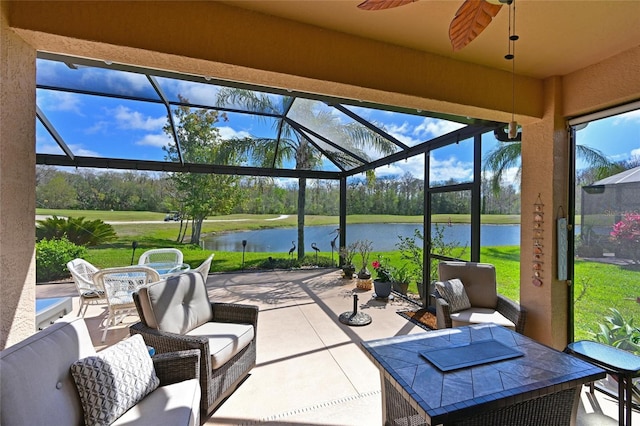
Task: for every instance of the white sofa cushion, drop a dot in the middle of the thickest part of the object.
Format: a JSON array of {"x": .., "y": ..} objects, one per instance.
[
  {"x": 225, "y": 339},
  {"x": 35, "y": 381},
  {"x": 480, "y": 316},
  {"x": 176, "y": 404},
  {"x": 114, "y": 380}
]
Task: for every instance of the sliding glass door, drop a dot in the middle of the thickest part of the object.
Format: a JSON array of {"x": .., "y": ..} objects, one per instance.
[{"x": 605, "y": 224}]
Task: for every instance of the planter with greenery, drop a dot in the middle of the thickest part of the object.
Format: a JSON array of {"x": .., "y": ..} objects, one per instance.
[
  {"x": 401, "y": 278},
  {"x": 364, "y": 248},
  {"x": 383, "y": 278},
  {"x": 411, "y": 250},
  {"x": 346, "y": 254}
]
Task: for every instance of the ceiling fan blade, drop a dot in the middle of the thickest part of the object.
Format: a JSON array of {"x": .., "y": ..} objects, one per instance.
[
  {"x": 382, "y": 4},
  {"x": 470, "y": 20}
]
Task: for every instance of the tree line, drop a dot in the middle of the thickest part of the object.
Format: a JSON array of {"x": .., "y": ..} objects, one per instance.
[{"x": 144, "y": 191}]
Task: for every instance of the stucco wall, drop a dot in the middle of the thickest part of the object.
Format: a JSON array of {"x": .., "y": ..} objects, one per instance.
[
  {"x": 545, "y": 148},
  {"x": 17, "y": 186},
  {"x": 237, "y": 44},
  {"x": 611, "y": 82}
]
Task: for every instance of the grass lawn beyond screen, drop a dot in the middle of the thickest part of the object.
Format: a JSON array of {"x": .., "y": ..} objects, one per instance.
[{"x": 597, "y": 286}]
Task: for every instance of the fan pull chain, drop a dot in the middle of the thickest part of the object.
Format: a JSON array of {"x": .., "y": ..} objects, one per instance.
[{"x": 510, "y": 56}]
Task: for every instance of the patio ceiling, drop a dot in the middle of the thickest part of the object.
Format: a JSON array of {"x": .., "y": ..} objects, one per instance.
[{"x": 324, "y": 123}]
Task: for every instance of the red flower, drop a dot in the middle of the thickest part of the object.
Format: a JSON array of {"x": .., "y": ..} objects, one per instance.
[{"x": 375, "y": 264}]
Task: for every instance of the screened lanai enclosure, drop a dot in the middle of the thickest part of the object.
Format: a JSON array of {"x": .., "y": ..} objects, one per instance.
[
  {"x": 268, "y": 132},
  {"x": 604, "y": 204}
]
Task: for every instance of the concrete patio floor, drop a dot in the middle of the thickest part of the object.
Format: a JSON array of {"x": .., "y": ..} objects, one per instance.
[{"x": 310, "y": 368}]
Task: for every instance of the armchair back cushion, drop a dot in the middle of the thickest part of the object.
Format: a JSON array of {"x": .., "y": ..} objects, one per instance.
[
  {"x": 167, "y": 306},
  {"x": 36, "y": 387},
  {"x": 479, "y": 281},
  {"x": 453, "y": 291}
]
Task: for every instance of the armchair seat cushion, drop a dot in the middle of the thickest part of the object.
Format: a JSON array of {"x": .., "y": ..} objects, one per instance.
[
  {"x": 480, "y": 316},
  {"x": 225, "y": 339}
]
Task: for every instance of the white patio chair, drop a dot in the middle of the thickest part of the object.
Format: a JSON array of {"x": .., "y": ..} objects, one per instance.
[
  {"x": 163, "y": 255},
  {"x": 204, "y": 268},
  {"x": 119, "y": 284},
  {"x": 82, "y": 273}
]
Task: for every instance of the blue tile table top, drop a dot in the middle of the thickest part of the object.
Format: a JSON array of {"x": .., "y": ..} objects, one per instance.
[{"x": 449, "y": 396}]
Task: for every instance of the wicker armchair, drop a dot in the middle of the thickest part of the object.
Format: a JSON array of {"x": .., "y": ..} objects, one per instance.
[
  {"x": 82, "y": 273},
  {"x": 479, "y": 280},
  {"x": 176, "y": 314}
]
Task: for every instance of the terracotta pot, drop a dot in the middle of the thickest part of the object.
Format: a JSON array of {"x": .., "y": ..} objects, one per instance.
[{"x": 401, "y": 287}]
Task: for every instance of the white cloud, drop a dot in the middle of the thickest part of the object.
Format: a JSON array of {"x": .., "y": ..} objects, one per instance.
[
  {"x": 98, "y": 127},
  {"x": 158, "y": 140},
  {"x": 631, "y": 116},
  {"x": 227, "y": 132},
  {"x": 510, "y": 176},
  {"x": 413, "y": 165},
  {"x": 83, "y": 152},
  {"x": 196, "y": 93},
  {"x": 635, "y": 152},
  {"x": 403, "y": 133},
  {"x": 130, "y": 119},
  {"x": 431, "y": 128},
  {"x": 451, "y": 168},
  {"x": 60, "y": 101}
]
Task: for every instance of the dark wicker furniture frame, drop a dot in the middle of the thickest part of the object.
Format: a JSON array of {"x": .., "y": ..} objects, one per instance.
[{"x": 216, "y": 384}]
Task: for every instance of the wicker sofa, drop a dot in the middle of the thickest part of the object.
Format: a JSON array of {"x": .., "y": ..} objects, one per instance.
[
  {"x": 37, "y": 386},
  {"x": 487, "y": 306},
  {"x": 176, "y": 314}
]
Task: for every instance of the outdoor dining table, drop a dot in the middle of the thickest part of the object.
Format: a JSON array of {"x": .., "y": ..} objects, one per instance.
[
  {"x": 168, "y": 269},
  {"x": 478, "y": 374}
]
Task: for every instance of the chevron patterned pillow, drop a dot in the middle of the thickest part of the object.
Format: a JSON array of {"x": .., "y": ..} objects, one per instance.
[
  {"x": 114, "y": 380},
  {"x": 453, "y": 292}
]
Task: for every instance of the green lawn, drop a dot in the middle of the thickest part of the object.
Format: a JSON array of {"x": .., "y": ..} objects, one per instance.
[{"x": 597, "y": 286}]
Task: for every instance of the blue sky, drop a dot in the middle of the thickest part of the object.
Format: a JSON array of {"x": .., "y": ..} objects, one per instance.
[{"x": 119, "y": 128}]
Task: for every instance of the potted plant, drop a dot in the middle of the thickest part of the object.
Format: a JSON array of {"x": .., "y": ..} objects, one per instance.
[
  {"x": 401, "y": 278},
  {"x": 364, "y": 248},
  {"x": 412, "y": 251},
  {"x": 346, "y": 254},
  {"x": 382, "y": 282}
]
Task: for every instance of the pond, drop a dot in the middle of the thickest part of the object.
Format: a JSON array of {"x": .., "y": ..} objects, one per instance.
[{"x": 383, "y": 235}]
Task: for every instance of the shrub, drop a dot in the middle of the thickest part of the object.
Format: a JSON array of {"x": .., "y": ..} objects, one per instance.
[
  {"x": 412, "y": 250},
  {"x": 52, "y": 257},
  {"x": 626, "y": 234},
  {"x": 77, "y": 230},
  {"x": 619, "y": 332}
]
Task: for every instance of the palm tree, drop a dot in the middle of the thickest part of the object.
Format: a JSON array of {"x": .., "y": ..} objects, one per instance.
[
  {"x": 293, "y": 143},
  {"x": 507, "y": 155}
]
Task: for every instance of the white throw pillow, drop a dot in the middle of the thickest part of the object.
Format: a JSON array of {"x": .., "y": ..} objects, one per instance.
[
  {"x": 453, "y": 292},
  {"x": 114, "y": 380}
]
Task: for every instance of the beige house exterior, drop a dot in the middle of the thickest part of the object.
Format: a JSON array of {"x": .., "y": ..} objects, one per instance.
[{"x": 228, "y": 42}]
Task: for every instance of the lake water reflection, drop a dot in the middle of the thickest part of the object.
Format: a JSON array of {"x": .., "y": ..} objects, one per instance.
[{"x": 383, "y": 235}]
